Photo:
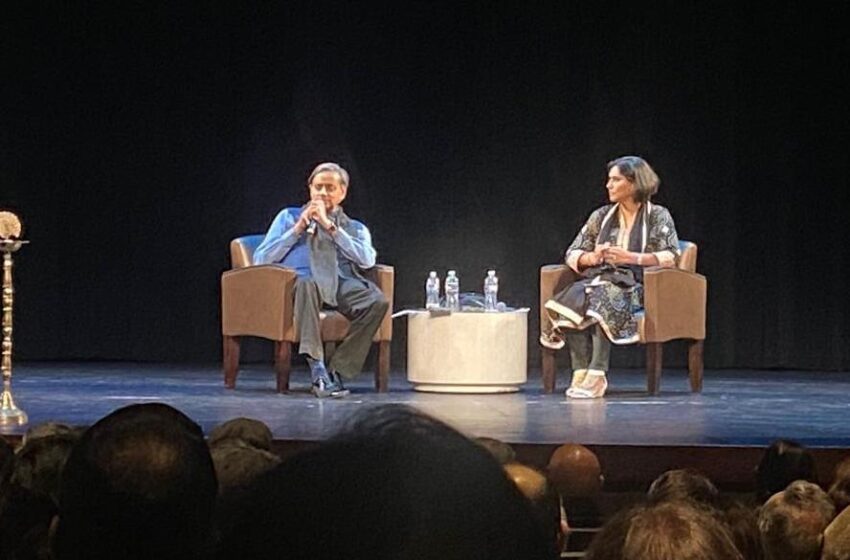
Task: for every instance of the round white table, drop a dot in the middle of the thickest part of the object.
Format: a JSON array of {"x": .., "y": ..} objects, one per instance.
[{"x": 467, "y": 351}]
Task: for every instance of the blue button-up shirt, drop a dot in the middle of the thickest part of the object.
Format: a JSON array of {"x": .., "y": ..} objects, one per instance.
[{"x": 283, "y": 245}]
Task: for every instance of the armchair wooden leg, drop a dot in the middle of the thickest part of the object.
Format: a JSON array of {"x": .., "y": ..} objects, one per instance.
[
  {"x": 654, "y": 358},
  {"x": 283, "y": 364},
  {"x": 695, "y": 363},
  {"x": 382, "y": 372},
  {"x": 547, "y": 356},
  {"x": 230, "y": 347}
]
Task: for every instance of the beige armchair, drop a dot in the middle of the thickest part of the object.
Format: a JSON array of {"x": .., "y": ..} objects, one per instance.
[
  {"x": 674, "y": 308},
  {"x": 258, "y": 301}
]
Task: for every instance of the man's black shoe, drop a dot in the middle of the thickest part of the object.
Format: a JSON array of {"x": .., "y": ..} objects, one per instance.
[{"x": 341, "y": 391}]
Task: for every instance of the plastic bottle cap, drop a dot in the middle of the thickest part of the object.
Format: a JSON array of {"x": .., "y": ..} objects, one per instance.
[
  {"x": 432, "y": 274},
  {"x": 451, "y": 273},
  {"x": 491, "y": 272}
]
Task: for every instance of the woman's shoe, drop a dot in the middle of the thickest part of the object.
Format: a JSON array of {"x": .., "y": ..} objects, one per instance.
[
  {"x": 577, "y": 380},
  {"x": 593, "y": 386},
  {"x": 552, "y": 340}
]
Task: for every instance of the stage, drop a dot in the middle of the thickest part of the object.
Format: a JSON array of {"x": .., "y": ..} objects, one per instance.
[{"x": 721, "y": 431}]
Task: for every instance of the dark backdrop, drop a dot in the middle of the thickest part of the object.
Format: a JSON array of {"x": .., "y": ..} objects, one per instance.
[{"x": 137, "y": 140}]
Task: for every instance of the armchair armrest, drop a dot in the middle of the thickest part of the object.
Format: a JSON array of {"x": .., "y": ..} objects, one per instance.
[
  {"x": 674, "y": 304},
  {"x": 257, "y": 301},
  {"x": 384, "y": 276},
  {"x": 553, "y": 279}
]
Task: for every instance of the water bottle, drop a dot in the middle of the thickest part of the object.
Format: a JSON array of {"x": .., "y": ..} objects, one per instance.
[
  {"x": 491, "y": 291},
  {"x": 432, "y": 291},
  {"x": 452, "y": 291}
]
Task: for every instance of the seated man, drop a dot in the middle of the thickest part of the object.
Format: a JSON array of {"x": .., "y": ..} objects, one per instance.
[{"x": 329, "y": 251}]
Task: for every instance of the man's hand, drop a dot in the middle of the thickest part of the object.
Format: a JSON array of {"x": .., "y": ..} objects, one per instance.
[
  {"x": 304, "y": 219},
  {"x": 320, "y": 213},
  {"x": 317, "y": 212}
]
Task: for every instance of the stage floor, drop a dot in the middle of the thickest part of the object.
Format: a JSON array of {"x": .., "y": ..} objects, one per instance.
[{"x": 736, "y": 408}]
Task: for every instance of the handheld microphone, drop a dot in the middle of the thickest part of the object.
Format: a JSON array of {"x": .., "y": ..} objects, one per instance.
[{"x": 311, "y": 227}]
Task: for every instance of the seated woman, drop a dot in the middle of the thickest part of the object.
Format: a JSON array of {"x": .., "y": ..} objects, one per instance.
[{"x": 609, "y": 254}]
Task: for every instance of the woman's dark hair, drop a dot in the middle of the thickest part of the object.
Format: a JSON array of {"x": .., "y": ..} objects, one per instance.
[{"x": 639, "y": 172}]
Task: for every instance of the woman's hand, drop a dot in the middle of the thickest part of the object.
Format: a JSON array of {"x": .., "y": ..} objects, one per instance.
[
  {"x": 618, "y": 255},
  {"x": 595, "y": 257}
]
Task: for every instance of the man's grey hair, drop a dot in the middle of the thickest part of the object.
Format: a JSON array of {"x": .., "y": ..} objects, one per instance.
[
  {"x": 329, "y": 166},
  {"x": 792, "y": 522}
]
